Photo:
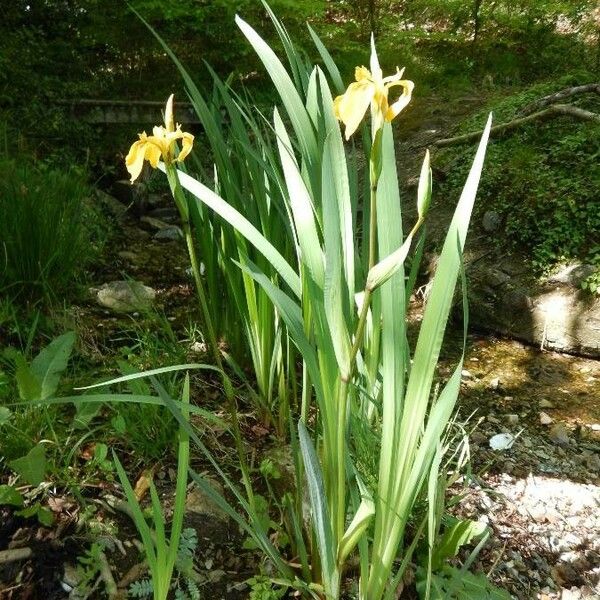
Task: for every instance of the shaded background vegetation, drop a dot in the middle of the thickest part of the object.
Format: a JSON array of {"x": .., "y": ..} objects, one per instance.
[
  {"x": 503, "y": 53},
  {"x": 59, "y": 50}
]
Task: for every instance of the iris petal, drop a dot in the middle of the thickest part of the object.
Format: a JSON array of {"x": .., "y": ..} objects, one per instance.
[
  {"x": 134, "y": 161},
  {"x": 169, "y": 121},
  {"x": 152, "y": 154},
  {"x": 362, "y": 73},
  {"x": 371, "y": 88},
  {"x": 186, "y": 146},
  {"x": 352, "y": 106},
  {"x": 394, "y": 110}
]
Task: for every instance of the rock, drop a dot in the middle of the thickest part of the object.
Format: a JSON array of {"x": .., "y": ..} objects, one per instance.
[
  {"x": 545, "y": 418},
  {"x": 466, "y": 374},
  {"x": 502, "y": 441},
  {"x": 153, "y": 224},
  {"x": 167, "y": 214},
  {"x": 494, "y": 383},
  {"x": 545, "y": 403},
  {"x": 131, "y": 194},
  {"x": 199, "y": 503},
  {"x": 155, "y": 200},
  {"x": 572, "y": 274},
  {"x": 559, "y": 434},
  {"x": 169, "y": 234},
  {"x": 491, "y": 221},
  {"x": 496, "y": 278},
  {"x": 198, "y": 348},
  {"x": 128, "y": 255},
  {"x": 112, "y": 205},
  {"x": 553, "y": 313},
  {"x": 126, "y": 296},
  {"x": 592, "y": 462},
  {"x": 512, "y": 419}
]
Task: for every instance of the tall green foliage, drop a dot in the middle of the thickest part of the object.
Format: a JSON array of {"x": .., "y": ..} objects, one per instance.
[
  {"x": 313, "y": 289},
  {"x": 46, "y": 231}
]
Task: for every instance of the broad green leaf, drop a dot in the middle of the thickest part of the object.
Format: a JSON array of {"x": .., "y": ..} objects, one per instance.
[
  {"x": 311, "y": 253},
  {"x": 292, "y": 101},
  {"x": 334, "y": 292},
  {"x": 296, "y": 63},
  {"x": 292, "y": 315},
  {"x": 312, "y": 99},
  {"x": 135, "y": 386},
  {"x": 457, "y": 535},
  {"x": 393, "y": 336},
  {"x": 9, "y": 495},
  {"x": 438, "y": 307},
  {"x": 5, "y": 415},
  {"x": 359, "y": 524},
  {"x": 337, "y": 176},
  {"x": 440, "y": 413},
  {"x": 32, "y": 466},
  {"x": 30, "y": 388},
  {"x": 45, "y": 516},
  {"x": 328, "y": 61},
  {"x": 389, "y": 266},
  {"x": 433, "y": 514},
  {"x": 452, "y": 584},
  {"x": 320, "y": 514},
  {"x": 85, "y": 413},
  {"x": 51, "y": 362}
]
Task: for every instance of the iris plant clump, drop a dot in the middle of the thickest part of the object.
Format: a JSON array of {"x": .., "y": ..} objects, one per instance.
[{"x": 326, "y": 256}]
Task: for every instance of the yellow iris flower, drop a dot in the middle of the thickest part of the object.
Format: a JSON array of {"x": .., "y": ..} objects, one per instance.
[
  {"x": 161, "y": 144},
  {"x": 371, "y": 89}
]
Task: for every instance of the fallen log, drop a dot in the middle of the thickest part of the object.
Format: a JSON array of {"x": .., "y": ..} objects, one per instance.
[
  {"x": 536, "y": 105},
  {"x": 556, "y": 110}
]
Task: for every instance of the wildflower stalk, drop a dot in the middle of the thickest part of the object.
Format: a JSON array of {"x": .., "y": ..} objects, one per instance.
[{"x": 182, "y": 207}]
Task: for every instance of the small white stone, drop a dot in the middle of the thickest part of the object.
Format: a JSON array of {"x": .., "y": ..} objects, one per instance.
[
  {"x": 502, "y": 441},
  {"x": 545, "y": 418}
]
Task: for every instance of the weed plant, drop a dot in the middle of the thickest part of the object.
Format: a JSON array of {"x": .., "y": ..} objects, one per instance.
[{"x": 47, "y": 231}]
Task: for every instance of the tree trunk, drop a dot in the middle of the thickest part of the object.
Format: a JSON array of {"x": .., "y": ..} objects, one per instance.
[{"x": 476, "y": 19}]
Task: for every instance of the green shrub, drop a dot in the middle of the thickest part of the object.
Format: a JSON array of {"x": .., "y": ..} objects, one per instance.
[
  {"x": 45, "y": 232},
  {"x": 542, "y": 179}
]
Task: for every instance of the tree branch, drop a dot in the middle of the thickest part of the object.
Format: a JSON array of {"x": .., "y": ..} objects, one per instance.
[
  {"x": 556, "y": 110},
  {"x": 558, "y": 96}
]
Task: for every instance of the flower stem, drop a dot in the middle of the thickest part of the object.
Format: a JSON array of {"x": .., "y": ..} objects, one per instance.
[{"x": 182, "y": 206}]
